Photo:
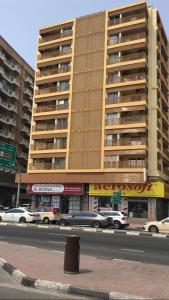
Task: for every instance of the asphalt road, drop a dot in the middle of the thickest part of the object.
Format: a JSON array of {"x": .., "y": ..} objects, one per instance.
[
  {"x": 10, "y": 289},
  {"x": 109, "y": 246}
]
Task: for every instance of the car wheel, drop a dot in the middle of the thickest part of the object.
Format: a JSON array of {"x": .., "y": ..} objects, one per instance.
[
  {"x": 22, "y": 220},
  {"x": 116, "y": 224},
  {"x": 153, "y": 229},
  {"x": 96, "y": 224},
  {"x": 46, "y": 220},
  {"x": 63, "y": 222},
  {"x": 0, "y": 219}
]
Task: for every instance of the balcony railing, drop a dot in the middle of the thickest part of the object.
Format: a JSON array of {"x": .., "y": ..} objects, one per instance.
[
  {"x": 126, "y": 120},
  {"x": 51, "y": 108},
  {"x": 55, "y": 36},
  {"x": 28, "y": 92},
  {"x": 24, "y": 142},
  {"x": 53, "y": 71},
  {"x": 124, "y": 99},
  {"x": 7, "y": 105},
  {"x": 25, "y": 129},
  {"x": 54, "y": 54},
  {"x": 48, "y": 127},
  {"x": 135, "y": 17},
  {"x": 7, "y": 120},
  {"x": 52, "y": 90},
  {"x": 10, "y": 93},
  {"x": 6, "y": 134},
  {"x": 46, "y": 166},
  {"x": 126, "y": 78},
  {"x": 166, "y": 171},
  {"x": 126, "y": 142},
  {"x": 27, "y": 104},
  {"x": 29, "y": 79},
  {"x": 166, "y": 152},
  {"x": 127, "y": 38},
  {"x": 124, "y": 164},
  {"x": 124, "y": 58},
  {"x": 49, "y": 146}
]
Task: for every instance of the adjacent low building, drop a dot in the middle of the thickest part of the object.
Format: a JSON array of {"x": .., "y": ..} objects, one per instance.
[
  {"x": 16, "y": 94},
  {"x": 100, "y": 113}
]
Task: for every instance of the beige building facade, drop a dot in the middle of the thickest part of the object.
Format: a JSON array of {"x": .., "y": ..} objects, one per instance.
[{"x": 100, "y": 110}]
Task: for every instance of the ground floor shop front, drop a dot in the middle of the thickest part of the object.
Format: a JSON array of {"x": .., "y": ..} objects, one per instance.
[{"x": 141, "y": 202}]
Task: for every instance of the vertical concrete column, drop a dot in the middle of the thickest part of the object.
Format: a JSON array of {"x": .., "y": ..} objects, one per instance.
[
  {"x": 152, "y": 209},
  {"x": 152, "y": 92}
]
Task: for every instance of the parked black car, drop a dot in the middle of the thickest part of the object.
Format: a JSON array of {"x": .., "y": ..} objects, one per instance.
[{"x": 85, "y": 218}]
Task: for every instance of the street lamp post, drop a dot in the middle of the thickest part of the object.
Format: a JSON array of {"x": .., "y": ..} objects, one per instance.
[{"x": 19, "y": 185}]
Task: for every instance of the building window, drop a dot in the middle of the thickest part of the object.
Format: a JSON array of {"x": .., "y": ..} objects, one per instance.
[
  {"x": 111, "y": 139},
  {"x": 112, "y": 118},
  {"x": 136, "y": 162},
  {"x": 59, "y": 162},
  {"x": 113, "y": 57},
  {"x": 138, "y": 209},
  {"x": 112, "y": 97},
  {"x": 113, "y": 39}
]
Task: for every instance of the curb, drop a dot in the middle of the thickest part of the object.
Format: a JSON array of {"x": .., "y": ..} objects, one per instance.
[
  {"x": 62, "y": 287},
  {"x": 99, "y": 230}
]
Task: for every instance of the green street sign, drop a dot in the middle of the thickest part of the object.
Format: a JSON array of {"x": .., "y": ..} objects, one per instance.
[
  {"x": 7, "y": 155},
  {"x": 116, "y": 197}
]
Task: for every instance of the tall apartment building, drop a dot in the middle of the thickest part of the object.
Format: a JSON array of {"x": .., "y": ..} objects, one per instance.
[
  {"x": 100, "y": 113},
  {"x": 16, "y": 93}
]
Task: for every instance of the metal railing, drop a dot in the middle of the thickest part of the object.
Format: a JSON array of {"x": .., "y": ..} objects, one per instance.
[
  {"x": 124, "y": 164},
  {"x": 126, "y": 120},
  {"x": 54, "y": 54},
  {"x": 54, "y": 89},
  {"x": 124, "y": 58},
  {"x": 124, "y": 99},
  {"x": 126, "y": 78},
  {"x": 126, "y": 142},
  {"x": 55, "y": 36},
  {"x": 48, "y": 127},
  {"x": 127, "y": 38},
  {"x": 49, "y": 146},
  {"x": 53, "y": 71},
  {"x": 117, "y": 21},
  {"x": 51, "y": 108}
]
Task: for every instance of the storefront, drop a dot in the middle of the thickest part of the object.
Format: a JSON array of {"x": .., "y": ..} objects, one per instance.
[
  {"x": 147, "y": 201},
  {"x": 67, "y": 198}
]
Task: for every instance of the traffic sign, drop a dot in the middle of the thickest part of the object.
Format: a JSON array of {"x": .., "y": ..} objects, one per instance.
[
  {"x": 116, "y": 197},
  {"x": 7, "y": 155}
]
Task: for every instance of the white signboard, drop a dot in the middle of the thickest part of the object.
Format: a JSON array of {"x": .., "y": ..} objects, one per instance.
[{"x": 47, "y": 188}]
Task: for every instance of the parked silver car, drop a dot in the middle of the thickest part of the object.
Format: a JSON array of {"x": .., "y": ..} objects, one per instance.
[{"x": 87, "y": 218}]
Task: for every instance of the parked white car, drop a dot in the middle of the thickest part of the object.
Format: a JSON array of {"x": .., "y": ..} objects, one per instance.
[
  {"x": 157, "y": 226},
  {"x": 20, "y": 215},
  {"x": 118, "y": 218}
]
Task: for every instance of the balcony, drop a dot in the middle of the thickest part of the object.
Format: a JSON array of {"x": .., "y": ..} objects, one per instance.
[
  {"x": 166, "y": 152},
  {"x": 49, "y": 146},
  {"x": 126, "y": 142},
  {"x": 28, "y": 92},
  {"x": 125, "y": 58},
  {"x": 126, "y": 78},
  {"x": 54, "y": 54},
  {"x": 52, "y": 90},
  {"x": 7, "y": 120},
  {"x": 2, "y": 55},
  {"x": 46, "y": 166},
  {"x": 29, "y": 80},
  {"x": 126, "y": 39},
  {"x": 25, "y": 129},
  {"x": 48, "y": 127},
  {"x": 51, "y": 108},
  {"x": 125, "y": 164},
  {"x": 7, "y": 134},
  {"x": 53, "y": 72},
  {"x": 24, "y": 142},
  {"x": 166, "y": 170},
  {"x": 57, "y": 36},
  {"x": 23, "y": 155},
  {"x": 125, "y": 99},
  {"x": 7, "y": 105},
  {"x": 26, "y": 117},
  {"x": 122, "y": 20},
  {"x": 126, "y": 120},
  {"x": 27, "y": 104}
]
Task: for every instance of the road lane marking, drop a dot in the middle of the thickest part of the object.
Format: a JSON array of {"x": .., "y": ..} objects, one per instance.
[
  {"x": 58, "y": 251},
  {"x": 54, "y": 242},
  {"x": 126, "y": 260},
  {"x": 159, "y": 235},
  {"x": 27, "y": 246},
  {"x": 134, "y": 250},
  {"x": 57, "y": 234},
  {"x": 132, "y": 233}
]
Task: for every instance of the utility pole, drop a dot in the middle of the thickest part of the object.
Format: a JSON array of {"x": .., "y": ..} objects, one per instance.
[{"x": 19, "y": 185}]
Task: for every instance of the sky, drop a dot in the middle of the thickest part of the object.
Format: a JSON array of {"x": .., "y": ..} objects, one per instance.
[{"x": 21, "y": 19}]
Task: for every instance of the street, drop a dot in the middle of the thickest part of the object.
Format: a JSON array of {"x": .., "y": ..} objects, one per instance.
[{"x": 106, "y": 246}]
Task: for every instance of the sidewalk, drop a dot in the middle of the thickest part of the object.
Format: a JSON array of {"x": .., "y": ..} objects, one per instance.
[{"x": 127, "y": 277}]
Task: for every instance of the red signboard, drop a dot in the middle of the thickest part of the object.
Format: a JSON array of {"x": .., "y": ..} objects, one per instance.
[{"x": 65, "y": 189}]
